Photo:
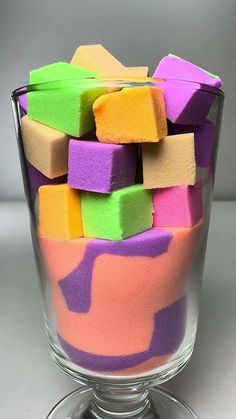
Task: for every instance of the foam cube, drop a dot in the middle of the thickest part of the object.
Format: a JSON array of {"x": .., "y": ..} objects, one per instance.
[
  {"x": 99, "y": 59},
  {"x": 131, "y": 115},
  {"x": 45, "y": 148},
  {"x": 204, "y": 137},
  {"x": 67, "y": 106},
  {"x": 186, "y": 103},
  {"x": 141, "y": 71},
  {"x": 177, "y": 206},
  {"x": 37, "y": 179},
  {"x": 23, "y": 102},
  {"x": 122, "y": 214},
  {"x": 171, "y": 162},
  {"x": 59, "y": 212},
  {"x": 101, "y": 167},
  {"x": 203, "y": 140},
  {"x": 174, "y": 67}
]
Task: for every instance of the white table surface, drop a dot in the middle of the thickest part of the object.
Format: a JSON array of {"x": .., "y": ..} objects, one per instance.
[{"x": 30, "y": 382}]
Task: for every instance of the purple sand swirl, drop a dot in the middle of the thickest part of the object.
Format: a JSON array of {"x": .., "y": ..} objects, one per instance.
[
  {"x": 169, "y": 331},
  {"x": 76, "y": 287}
]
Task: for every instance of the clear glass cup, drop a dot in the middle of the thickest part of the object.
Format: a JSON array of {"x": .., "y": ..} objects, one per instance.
[{"x": 120, "y": 363}]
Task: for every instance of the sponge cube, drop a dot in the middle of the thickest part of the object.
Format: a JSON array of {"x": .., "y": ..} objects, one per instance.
[
  {"x": 122, "y": 214},
  {"x": 59, "y": 71},
  {"x": 174, "y": 67},
  {"x": 203, "y": 140},
  {"x": 37, "y": 179},
  {"x": 99, "y": 59},
  {"x": 68, "y": 106},
  {"x": 131, "y": 115},
  {"x": 23, "y": 102},
  {"x": 186, "y": 103},
  {"x": 101, "y": 167},
  {"x": 45, "y": 148},
  {"x": 59, "y": 212},
  {"x": 171, "y": 162},
  {"x": 178, "y": 206},
  {"x": 141, "y": 71}
]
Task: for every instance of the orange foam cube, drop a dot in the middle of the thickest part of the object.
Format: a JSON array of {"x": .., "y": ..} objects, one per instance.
[
  {"x": 132, "y": 115},
  {"x": 59, "y": 212}
]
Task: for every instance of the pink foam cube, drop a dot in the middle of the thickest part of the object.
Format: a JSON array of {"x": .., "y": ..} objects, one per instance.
[{"x": 178, "y": 206}]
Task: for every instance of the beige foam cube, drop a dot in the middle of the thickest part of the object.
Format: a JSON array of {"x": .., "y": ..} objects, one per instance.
[
  {"x": 45, "y": 148},
  {"x": 141, "y": 71},
  {"x": 99, "y": 59},
  {"x": 171, "y": 162}
]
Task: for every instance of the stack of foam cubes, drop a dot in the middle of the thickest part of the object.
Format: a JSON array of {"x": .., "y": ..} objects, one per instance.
[{"x": 120, "y": 204}]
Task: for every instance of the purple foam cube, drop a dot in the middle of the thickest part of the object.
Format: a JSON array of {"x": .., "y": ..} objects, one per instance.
[
  {"x": 203, "y": 140},
  {"x": 185, "y": 102},
  {"x": 23, "y": 102},
  {"x": 174, "y": 67},
  {"x": 98, "y": 167},
  {"x": 37, "y": 179}
]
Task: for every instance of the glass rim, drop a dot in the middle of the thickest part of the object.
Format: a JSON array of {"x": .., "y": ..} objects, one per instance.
[{"x": 113, "y": 82}]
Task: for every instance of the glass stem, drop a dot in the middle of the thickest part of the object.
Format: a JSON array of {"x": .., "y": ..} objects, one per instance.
[{"x": 121, "y": 402}]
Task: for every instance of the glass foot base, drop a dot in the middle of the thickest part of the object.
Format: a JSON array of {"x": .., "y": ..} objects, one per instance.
[{"x": 164, "y": 406}]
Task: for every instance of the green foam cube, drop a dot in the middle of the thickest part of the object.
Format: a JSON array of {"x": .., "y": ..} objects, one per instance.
[
  {"x": 64, "y": 105},
  {"x": 117, "y": 216}
]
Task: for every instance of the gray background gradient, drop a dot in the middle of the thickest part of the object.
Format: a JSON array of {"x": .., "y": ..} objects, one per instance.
[{"x": 139, "y": 32}]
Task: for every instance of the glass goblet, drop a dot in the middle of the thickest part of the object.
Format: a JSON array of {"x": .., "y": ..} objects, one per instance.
[{"x": 121, "y": 319}]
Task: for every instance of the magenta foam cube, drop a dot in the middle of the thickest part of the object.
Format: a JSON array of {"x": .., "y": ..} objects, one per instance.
[
  {"x": 204, "y": 137},
  {"x": 186, "y": 103},
  {"x": 174, "y": 67},
  {"x": 98, "y": 167},
  {"x": 178, "y": 206}
]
